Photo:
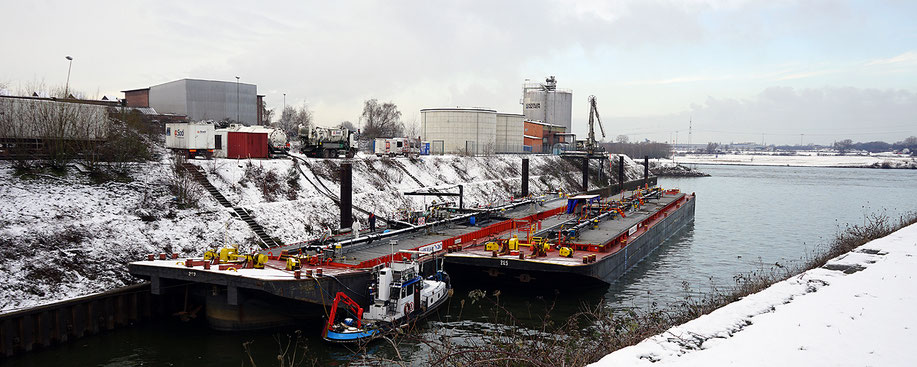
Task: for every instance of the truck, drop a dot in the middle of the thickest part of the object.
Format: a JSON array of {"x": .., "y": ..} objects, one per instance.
[
  {"x": 192, "y": 139},
  {"x": 326, "y": 142}
]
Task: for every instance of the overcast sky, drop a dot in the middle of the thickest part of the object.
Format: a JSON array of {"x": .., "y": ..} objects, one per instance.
[{"x": 740, "y": 70}]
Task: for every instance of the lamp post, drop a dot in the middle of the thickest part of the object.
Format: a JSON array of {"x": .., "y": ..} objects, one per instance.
[
  {"x": 67, "y": 86},
  {"x": 238, "y": 119}
]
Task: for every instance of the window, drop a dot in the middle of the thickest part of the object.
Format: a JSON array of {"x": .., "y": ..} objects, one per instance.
[{"x": 218, "y": 142}]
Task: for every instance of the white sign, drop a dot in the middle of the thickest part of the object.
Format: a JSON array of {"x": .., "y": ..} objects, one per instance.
[
  {"x": 433, "y": 247},
  {"x": 632, "y": 230}
]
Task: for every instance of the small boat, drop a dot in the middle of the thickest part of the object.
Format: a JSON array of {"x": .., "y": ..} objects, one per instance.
[{"x": 399, "y": 296}]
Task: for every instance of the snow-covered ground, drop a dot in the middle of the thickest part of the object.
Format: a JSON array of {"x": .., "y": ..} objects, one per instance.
[
  {"x": 801, "y": 159},
  {"x": 64, "y": 237},
  {"x": 819, "y": 318}
]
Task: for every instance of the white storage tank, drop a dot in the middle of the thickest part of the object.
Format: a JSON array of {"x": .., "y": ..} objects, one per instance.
[
  {"x": 546, "y": 103},
  {"x": 509, "y": 132},
  {"x": 459, "y": 130}
]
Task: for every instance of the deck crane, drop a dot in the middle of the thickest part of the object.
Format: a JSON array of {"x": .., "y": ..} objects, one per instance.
[{"x": 591, "y": 145}]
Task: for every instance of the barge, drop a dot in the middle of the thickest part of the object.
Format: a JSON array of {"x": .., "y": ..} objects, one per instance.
[
  {"x": 588, "y": 238},
  {"x": 584, "y": 249}
]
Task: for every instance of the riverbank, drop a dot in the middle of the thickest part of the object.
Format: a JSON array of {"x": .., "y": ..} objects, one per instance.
[
  {"x": 800, "y": 159},
  {"x": 852, "y": 311}
]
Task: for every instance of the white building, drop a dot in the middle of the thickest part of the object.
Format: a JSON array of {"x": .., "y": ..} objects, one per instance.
[
  {"x": 544, "y": 102},
  {"x": 460, "y": 130},
  {"x": 510, "y": 128}
]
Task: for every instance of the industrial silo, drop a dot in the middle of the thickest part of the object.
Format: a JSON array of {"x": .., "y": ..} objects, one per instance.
[
  {"x": 459, "y": 130},
  {"x": 546, "y": 103},
  {"x": 509, "y": 132}
]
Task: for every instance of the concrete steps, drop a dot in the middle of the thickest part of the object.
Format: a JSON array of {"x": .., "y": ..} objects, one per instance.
[{"x": 239, "y": 212}]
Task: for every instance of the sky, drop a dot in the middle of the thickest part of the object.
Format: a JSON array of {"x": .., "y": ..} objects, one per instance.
[{"x": 775, "y": 72}]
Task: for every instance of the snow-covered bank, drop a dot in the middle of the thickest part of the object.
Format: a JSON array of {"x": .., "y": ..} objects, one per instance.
[
  {"x": 859, "y": 314},
  {"x": 802, "y": 159}
]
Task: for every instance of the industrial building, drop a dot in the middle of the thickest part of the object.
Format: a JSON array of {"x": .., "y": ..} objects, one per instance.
[
  {"x": 202, "y": 100},
  {"x": 542, "y": 137},
  {"x": 459, "y": 130},
  {"x": 546, "y": 103}
]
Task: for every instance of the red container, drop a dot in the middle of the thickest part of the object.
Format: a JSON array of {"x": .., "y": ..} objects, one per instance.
[{"x": 246, "y": 144}]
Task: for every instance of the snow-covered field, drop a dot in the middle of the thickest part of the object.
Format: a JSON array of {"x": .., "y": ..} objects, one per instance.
[
  {"x": 64, "y": 237},
  {"x": 801, "y": 159},
  {"x": 819, "y": 318}
]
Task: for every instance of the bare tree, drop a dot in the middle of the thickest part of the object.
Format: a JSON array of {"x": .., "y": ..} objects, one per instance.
[
  {"x": 267, "y": 114},
  {"x": 412, "y": 129},
  {"x": 381, "y": 120},
  {"x": 292, "y": 118},
  {"x": 843, "y": 146},
  {"x": 622, "y": 139},
  {"x": 712, "y": 147}
]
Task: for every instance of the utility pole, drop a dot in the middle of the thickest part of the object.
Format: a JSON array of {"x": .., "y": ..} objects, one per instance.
[
  {"x": 67, "y": 86},
  {"x": 238, "y": 119}
]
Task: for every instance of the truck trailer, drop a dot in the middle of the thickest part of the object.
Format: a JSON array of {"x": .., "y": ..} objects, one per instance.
[
  {"x": 326, "y": 142},
  {"x": 191, "y": 139}
]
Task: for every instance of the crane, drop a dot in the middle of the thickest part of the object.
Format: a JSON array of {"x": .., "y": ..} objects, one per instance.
[{"x": 591, "y": 145}]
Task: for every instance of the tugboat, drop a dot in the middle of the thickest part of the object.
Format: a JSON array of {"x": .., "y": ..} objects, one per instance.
[{"x": 399, "y": 296}]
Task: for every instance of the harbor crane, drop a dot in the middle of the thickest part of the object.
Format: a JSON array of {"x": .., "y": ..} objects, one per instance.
[{"x": 591, "y": 145}]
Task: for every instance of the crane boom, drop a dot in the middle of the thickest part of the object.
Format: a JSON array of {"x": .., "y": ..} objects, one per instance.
[{"x": 593, "y": 116}]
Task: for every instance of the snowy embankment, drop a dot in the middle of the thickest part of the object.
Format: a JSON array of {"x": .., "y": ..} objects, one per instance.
[
  {"x": 64, "y": 237},
  {"x": 858, "y": 314},
  {"x": 379, "y": 184},
  {"x": 801, "y": 159}
]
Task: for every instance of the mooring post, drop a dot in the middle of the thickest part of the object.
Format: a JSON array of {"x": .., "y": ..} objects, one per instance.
[
  {"x": 586, "y": 174},
  {"x": 646, "y": 170},
  {"x": 525, "y": 177},
  {"x": 621, "y": 174},
  {"x": 346, "y": 195},
  {"x": 461, "y": 197}
]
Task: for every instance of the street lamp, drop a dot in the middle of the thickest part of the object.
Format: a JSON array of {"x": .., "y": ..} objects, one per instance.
[
  {"x": 238, "y": 120},
  {"x": 67, "y": 86}
]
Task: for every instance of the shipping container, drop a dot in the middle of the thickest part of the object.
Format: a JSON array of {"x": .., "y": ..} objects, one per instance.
[
  {"x": 243, "y": 144},
  {"x": 193, "y": 139}
]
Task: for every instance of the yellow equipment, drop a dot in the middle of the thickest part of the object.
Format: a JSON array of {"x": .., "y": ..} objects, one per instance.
[
  {"x": 513, "y": 243},
  {"x": 228, "y": 254},
  {"x": 293, "y": 263},
  {"x": 209, "y": 255},
  {"x": 259, "y": 261},
  {"x": 565, "y": 251},
  {"x": 491, "y": 246}
]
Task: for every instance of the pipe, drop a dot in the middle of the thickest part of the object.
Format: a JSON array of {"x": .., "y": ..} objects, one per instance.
[
  {"x": 346, "y": 195},
  {"x": 525, "y": 177}
]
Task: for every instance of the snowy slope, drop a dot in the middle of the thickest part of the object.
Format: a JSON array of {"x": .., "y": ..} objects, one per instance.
[
  {"x": 819, "y": 318},
  {"x": 378, "y": 184},
  {"x": 66, "y": 237}
]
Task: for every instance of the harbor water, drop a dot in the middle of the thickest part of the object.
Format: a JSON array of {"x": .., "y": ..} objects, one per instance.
[{"x": 747, "y": 218}]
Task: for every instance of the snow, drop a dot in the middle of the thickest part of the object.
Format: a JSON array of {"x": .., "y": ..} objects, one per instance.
[
  {"x": 801, "y": 159},
  {"x": 821, "y": 317}
]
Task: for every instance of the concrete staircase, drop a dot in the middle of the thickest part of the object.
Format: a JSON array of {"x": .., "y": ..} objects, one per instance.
[{"x": 241, "y": 213}]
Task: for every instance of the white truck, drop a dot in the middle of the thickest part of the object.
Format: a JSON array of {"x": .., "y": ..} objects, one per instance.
[
  {"x": 326, "y": 142},
  {"x": 190, "y": 138}
]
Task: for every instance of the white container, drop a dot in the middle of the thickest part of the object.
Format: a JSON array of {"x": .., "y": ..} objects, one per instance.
[{"x": 189, "y": 136}]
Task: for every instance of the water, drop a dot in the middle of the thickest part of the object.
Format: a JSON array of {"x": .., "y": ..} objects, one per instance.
[{"x": 747, "y": 218}]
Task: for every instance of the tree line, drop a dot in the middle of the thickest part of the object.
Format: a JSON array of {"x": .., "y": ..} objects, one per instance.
[{"x": 378, "y": 119}]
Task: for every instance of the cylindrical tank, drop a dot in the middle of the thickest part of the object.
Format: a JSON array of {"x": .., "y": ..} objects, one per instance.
[
  {"x": 460, "y": 130},
  {"x": 509, "y": 132},
  {"x": 546, "y": 103}
]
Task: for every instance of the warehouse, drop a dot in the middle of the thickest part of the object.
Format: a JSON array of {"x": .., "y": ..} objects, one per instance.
[
  {"x": 459, "y": 130},
  {"x": 201, "y": 100},
  {"x": 542, "y": 137}
]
